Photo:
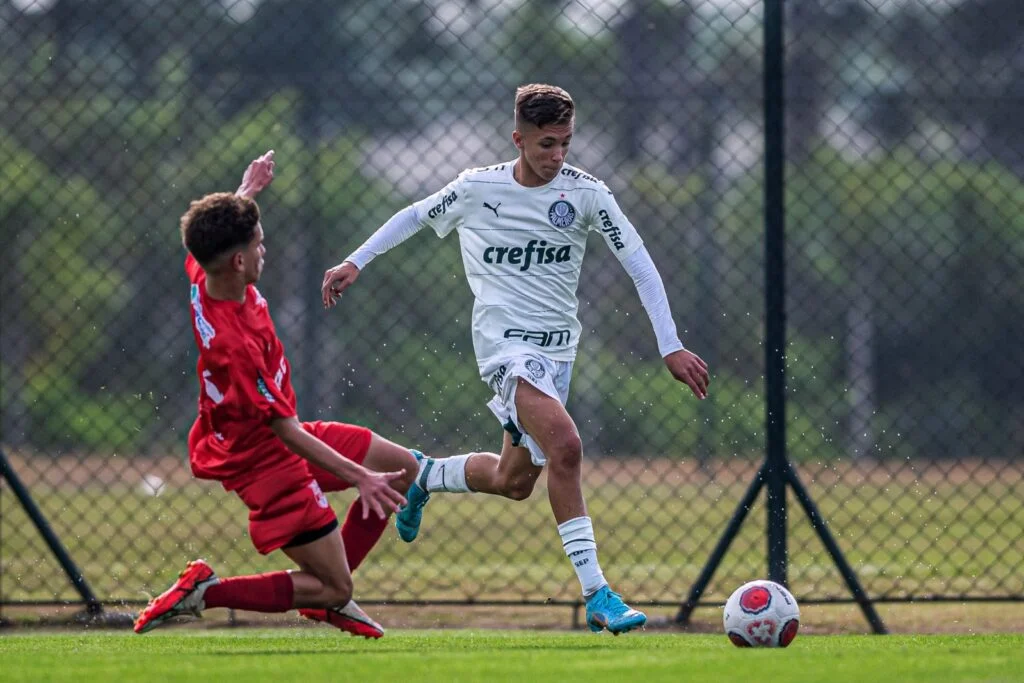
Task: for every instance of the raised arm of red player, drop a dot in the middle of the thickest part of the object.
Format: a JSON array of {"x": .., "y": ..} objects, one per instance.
[{"x": 259, "y": 174}]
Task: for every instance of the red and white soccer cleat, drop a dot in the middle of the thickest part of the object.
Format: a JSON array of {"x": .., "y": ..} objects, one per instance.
[
  {"x": 184, "y": 597},
  {"x": 349, "y": 618}
]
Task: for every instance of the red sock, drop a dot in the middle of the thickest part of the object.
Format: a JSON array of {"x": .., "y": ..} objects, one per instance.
[
  {"x": 259, "y": 593},
  {"x": 360, "y": 535}
]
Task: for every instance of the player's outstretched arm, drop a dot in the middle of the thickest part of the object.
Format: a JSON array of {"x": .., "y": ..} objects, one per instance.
[
  {"x": 259, "y": 174},
  {"x": 374, "y": 487},
  {"x": 396, "y": 230},
  {"x": 685, "y": 366}
]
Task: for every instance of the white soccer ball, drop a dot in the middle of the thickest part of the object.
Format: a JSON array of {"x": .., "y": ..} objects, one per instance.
[
  {"x": 761, "y": 614},
  {"x": 152, "y": 485}
]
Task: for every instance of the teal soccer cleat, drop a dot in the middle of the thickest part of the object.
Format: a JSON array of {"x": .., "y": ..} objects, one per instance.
[
  {"x": 408, "y": 519},
  {"x": 605, "y": 609}
]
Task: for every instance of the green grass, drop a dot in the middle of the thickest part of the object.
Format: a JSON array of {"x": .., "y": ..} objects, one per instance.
[
  {"x": 653, "y": 539},
  {"x": 322, "y": 655}
]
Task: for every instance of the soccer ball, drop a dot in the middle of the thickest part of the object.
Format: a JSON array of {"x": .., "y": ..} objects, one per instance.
[{"x": 761, "y": 614}]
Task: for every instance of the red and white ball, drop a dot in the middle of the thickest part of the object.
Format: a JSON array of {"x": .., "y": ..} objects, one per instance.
[{"x": 761, "y": 614}]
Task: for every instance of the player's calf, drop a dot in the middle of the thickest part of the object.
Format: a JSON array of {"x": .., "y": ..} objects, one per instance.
[
  {"x": 385, "y": 456},
  {"x": 518, "y": 488},
  {"x": 321, "y": 592},
  {"x": 511, "y": 475},
  {"x": 334, "y": 595}
]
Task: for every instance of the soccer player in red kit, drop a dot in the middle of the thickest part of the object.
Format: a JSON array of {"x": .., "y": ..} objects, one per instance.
[{"x": 249, "y": 438}]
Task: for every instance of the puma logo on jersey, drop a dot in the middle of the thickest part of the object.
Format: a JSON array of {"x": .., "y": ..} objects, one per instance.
[
  {"x": 534, "y": 252},
  {"x": 492, "y": 208}
]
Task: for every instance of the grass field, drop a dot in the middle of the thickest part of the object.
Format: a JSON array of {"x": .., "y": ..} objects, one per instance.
[{"x": 323, "y": 655}]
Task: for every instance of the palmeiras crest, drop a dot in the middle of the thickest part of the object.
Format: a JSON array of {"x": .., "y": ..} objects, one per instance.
[{"x": 562, "y": 214}]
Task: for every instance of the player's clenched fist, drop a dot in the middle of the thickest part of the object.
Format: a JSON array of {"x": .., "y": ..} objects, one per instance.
[{"x": 336, "y": 281}]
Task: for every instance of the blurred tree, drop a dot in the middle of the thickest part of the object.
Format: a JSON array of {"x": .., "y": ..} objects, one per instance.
[
  {"x": 965, "y": 73},
  {"x": 66, "y": 291},
  {"x": 658, "y": 81},
  {"x": 820, "y": 35},
  {"x": 541, "y": 45},
  {"x": 893, "y": 239},
  {"x": 104, "y": 42},
  {"x": 332, "y": 53}
]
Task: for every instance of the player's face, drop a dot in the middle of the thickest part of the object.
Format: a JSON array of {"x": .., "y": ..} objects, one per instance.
[
  {"x": 253, "y": 257},
  {"x": 542, "y": 151}
]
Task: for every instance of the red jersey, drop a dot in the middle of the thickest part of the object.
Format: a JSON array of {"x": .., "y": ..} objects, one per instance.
[{"x": 244, "y": 383}]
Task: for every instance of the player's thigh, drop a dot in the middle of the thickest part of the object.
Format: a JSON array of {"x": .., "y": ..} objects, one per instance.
[
  {"x": 325, "y": 559},
  {"x": 284, "y": 505},
  {"x": 515, "y": 462},
  {"x": 545, "y": 419},
  {"x": 350, "y": 441},
  {"x": 387, "y": 456}
]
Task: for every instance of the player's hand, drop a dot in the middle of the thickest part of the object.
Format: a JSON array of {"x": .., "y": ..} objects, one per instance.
[
  {"x": 257, "y": 176},
  {"x": 377, "y": 495},
  {"x": 690, "y": 369},
  {"x": 337, "y": 280}
]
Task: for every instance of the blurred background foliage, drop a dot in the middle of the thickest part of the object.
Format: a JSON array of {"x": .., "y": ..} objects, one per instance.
[{"x": 904, "y": 207}]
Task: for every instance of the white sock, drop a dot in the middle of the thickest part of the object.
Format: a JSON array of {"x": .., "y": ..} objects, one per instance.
[
  {"x": 446, "y": 474},
  {"x": 578, "y": 541}
]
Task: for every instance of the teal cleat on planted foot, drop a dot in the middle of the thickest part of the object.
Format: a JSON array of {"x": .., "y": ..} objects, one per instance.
[
  {"x": 408, "y": 519},
  {"x": 605, "y": 610}
]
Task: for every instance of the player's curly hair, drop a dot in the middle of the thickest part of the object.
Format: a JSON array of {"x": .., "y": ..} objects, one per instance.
[
  {"x": 218, "y": 223},
  {"x": 543, "y": 105}
]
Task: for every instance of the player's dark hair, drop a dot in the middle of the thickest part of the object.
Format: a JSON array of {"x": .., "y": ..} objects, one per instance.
[
  {"x": 543, "y": 105},
  {"x": 218, "y": 223}
]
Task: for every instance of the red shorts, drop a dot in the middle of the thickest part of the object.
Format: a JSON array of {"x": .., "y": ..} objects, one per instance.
[{"x": 288, "y": 504}]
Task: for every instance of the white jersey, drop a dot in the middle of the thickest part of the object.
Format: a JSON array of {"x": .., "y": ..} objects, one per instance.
[{"x": 522, "y": 248}]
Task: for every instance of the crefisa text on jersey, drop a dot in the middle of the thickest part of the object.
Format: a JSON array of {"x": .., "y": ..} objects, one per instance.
[
  {"x": 613, "y": 230},
  {"x": 525, "y": 255},
  {"x": 442, "y": 208},
  {"x": 578, "y": 175}
]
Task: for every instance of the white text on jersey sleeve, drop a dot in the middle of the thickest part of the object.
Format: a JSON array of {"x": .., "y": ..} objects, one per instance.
[
  {"x": 608, "y": 219},
  {"x": 443, "y": 210}
]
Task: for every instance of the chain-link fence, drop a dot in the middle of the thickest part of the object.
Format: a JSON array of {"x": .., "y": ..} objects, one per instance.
[{"x": 905, "y": 258}]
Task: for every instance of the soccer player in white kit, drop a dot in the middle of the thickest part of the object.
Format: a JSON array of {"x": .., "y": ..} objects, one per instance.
[{"x": 523, "y": 226}]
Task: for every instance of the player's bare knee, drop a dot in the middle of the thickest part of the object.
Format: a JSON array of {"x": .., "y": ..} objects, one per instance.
[{"x": 565, "y": 454}]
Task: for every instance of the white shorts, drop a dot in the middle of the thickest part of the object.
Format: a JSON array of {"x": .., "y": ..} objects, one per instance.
[{"x": 550, "y": 376}]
